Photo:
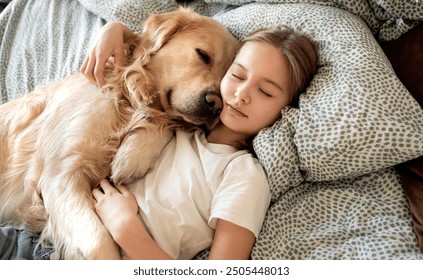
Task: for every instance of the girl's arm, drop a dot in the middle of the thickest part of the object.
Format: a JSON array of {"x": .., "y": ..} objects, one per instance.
[
  {"x": 231, "y": 242},
  {"x": 137, "y": 243},
  {"x": 117, "y": 209},
  {"x": 110, "y": 42}
]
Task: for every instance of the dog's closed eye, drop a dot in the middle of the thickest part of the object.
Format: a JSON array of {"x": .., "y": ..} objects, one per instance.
[{"x": 204, "y": 56}]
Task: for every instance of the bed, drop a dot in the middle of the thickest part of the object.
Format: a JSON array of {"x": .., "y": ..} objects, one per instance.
[{"x": 343, "y": 168}]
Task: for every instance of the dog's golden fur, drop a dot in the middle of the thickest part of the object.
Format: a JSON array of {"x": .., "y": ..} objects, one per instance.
[{"x": 60, "y": 140}]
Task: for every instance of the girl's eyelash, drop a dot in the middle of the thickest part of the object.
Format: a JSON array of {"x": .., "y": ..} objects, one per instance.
[
  {"x": 265, "y": 93},
  {"x": 262, "y": 91}
]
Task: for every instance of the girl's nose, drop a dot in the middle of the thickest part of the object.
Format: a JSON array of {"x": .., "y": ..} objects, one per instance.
[{"x": 242, "y": 94}]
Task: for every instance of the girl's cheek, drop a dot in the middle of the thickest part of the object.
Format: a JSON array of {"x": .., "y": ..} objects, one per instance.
[{"x": 225, "y": 88}]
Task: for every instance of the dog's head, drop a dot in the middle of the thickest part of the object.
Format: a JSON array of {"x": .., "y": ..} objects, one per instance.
[{"x": 178, "y": 63}]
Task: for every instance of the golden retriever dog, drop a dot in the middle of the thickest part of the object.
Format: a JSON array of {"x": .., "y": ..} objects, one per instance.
[{"x": 59, "y": 141}]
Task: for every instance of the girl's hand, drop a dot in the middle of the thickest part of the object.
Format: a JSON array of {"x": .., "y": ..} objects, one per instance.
[
  {"x": 118, "y": 210},
  {"x": 109, "y": 43},
  {"x": 116, "y": 207}
]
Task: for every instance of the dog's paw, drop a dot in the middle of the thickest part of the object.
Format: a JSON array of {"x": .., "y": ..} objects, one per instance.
[
  {"x": 128, "y": 166},
  {"x": 138, "y": 154}
]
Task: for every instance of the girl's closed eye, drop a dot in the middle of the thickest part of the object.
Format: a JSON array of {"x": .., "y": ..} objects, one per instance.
[
  {"x": 265, "y": 93},
  {"x": 238, "y": 71},
  {"x": 270, "y": 88},
  {"x": 237, "y": 75}
]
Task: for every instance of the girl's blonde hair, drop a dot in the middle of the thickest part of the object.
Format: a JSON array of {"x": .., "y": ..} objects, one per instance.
[{"x": 300, "y": 51}]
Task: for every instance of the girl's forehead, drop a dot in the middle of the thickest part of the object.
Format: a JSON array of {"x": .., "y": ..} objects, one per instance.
[
  {"x": 249, "y": 45},
  {"x": 257, "y": 52},
  {"x": 255, "y": 47}
]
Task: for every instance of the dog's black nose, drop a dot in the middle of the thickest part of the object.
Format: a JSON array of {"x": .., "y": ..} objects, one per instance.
[{"x": 213, "y": 102}]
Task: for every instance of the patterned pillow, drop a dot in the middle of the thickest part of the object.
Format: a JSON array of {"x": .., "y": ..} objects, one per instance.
[
  {"x": 387, "y": 19},
  {"x": 356, "y": 117},
  {"x": 283, "y": 167}
]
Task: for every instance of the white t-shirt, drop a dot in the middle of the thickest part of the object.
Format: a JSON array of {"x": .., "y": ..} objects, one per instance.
[{"x": 194, "y": 183}]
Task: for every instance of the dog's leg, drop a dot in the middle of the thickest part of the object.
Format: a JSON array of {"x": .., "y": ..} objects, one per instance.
[
  {"x": 81, "y": 235},
  {"x": 138, "y": 153},
  {"x": 73, "y": 226}
]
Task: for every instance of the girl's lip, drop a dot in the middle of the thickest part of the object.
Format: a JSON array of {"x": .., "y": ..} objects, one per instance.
[{"x": 236, "y": 111}]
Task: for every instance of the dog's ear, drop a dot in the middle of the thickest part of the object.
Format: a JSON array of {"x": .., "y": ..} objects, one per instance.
[{"x": 159, "y": 28}]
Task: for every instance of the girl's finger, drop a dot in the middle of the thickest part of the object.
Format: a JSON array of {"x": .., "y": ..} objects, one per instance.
[
  {"x": 99, "y": 72},
  {"x": 84, "y": 65},
  {"x": 89, "y": 70},
  {"x": 122, "y": 189},
  {"x": 97, "y": 193},
  {"x": 106, "y": 186}
]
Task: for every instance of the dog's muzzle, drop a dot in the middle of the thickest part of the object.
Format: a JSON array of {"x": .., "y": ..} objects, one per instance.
[
  {"x": 213, "y": 104},
  {"x": 202, "y": 111}
]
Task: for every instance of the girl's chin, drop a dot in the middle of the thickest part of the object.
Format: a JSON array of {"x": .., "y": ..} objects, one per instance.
[{"x": 235, "y": 124}]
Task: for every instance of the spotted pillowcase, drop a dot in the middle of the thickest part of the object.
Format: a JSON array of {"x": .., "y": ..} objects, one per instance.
[
  {"x": 387, "y": 19},
  {"x": 355, "y": 117},
  {"x": 334, "y": 192}
]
